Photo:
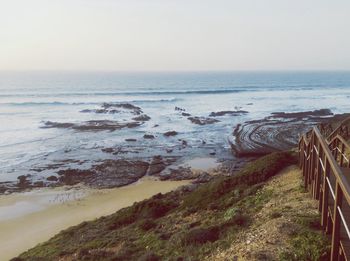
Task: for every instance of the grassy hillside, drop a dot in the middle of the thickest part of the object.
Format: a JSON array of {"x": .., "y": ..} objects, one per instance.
[
  {"x": 287, "y": 227},
  {"x": 191, "y": 223}
]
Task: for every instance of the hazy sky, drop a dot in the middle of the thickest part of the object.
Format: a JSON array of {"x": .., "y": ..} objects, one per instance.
[{"x": 174, "y": 34}]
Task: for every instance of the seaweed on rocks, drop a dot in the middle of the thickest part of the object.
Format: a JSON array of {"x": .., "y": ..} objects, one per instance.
[
  {"x": 231, "y": 113},
  {"x": 93, "y": 125},
  {"x": 109, "y": 174},
  {"x": 170, "y": 133},
  {"x": 142, "y": 117},
  {"x": 148, "y": 136},
  {"x": 113, "y": 108},
  {"x": 202, "y": 120}
]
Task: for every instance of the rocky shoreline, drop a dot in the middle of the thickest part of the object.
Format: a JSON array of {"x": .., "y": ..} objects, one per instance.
[
  {"x": 111, "y": 174},
  {"x": 126, "y": 164},
  {"x": 277, "y": 132}
]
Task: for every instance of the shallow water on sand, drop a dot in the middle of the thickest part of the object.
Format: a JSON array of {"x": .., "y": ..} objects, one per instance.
[{"x": 204, "y": 164}]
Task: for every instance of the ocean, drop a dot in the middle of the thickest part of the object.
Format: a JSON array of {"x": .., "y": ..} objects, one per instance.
[{"x": 28, "y": 100}]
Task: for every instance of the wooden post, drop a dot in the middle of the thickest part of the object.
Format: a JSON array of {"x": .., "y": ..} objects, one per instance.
[
  {"x": 308, "y": 161},
  {"x": 318, "y": 173},
  {"x": 302, "y": 156},
  {"x": 305, "y": 166},
  {"x": 301, "y": 151},
  {"x": 342, "y": 153},
  {"x": 336, "y": 223},
  {"x": 335, "y": 146},
  {"x": 321, "y": 180},
  {"x": 324, "y": 214},
  {"x": 313, "y": 167}
]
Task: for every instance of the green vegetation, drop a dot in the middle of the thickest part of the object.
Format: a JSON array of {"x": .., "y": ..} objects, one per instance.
[
  {"x": 185, "y": 223},
  {"x": 307, "y": 242}
]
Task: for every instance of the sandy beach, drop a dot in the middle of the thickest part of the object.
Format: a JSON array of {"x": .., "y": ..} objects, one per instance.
[{"x": 27, "y": 219}]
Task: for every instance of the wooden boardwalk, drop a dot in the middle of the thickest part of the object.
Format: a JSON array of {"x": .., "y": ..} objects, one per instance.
[{"x": 326, "y": 169}]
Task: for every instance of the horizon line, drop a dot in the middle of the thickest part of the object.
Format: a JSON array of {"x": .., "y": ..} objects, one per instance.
[{"x": 172, "y": 71}]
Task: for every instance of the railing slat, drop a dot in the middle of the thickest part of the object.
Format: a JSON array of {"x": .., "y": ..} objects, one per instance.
[
  {"x": 330, "y": 188},
  {"x": 344, "y": 222},
  {"x": 336, "y": 224}
]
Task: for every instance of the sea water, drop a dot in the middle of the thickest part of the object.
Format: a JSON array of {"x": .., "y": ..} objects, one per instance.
[{"x": 29, "y": 99}]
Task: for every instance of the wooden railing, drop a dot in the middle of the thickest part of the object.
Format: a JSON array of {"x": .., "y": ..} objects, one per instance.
[
  {"x": 325, "y": 166},
  {"x": 342, "y": 130}
]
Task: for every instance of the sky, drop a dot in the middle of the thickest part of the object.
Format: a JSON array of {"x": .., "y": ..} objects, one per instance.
[{"x": 174, "y": 35}]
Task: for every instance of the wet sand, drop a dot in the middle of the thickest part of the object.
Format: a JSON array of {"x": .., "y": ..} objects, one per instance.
[{"x": 27, "y": 219}]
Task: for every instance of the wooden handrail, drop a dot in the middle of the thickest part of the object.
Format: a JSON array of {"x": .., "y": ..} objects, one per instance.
[
  {"x": 338, "y": 129},
  {"x": 344, "y": 146},
  {"x": 334, "y": 165},
  {"x": 327, "y": 180},
  {"x": 340, "y": 138}
]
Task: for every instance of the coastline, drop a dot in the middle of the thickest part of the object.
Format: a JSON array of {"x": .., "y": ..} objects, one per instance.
[
  {"x": 79, "y": 203},
  {"x": 41, "y": 224},
  {"x": 68, "y": 188},
  {"x": 124, "y": 164}
]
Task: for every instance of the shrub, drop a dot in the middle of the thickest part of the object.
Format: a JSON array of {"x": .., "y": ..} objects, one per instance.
[
  {"x": 149, "y": 256},
  {"x": 234, "y": 216},
  {"x": 311, "y": 221},
  {"x": 147, "y": 224},
  {"x": 230, "y": 213},
  {"x": 93, "y": 254},
  {"x": 240, "y": 219},
  {"x": 154, "y": 208},
  {"x": 275, "y": 214},
  {"x": 307, "y": 245},
  {"x": 268, "y": 166},
  {"x": 125, "y": 216},
  {"x": 198, "y": 236}
]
